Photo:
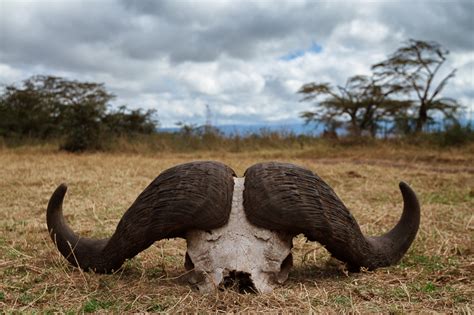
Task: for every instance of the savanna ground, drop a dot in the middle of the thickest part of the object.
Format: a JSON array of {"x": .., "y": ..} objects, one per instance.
[{"x": 436, "y": 275}]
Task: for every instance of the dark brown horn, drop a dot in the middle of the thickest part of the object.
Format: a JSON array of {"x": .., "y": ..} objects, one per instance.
[
  {"x": 292, "y": 199},
  {"x": 195, "y": 195}
]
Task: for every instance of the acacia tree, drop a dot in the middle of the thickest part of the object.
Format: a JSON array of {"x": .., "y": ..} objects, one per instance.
[
  {"x": 364, "y": 101},
  {"x": 416, "y": 66}
]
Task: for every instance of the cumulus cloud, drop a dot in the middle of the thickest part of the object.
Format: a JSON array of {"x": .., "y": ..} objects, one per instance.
[{"x": 245, "y": 59}]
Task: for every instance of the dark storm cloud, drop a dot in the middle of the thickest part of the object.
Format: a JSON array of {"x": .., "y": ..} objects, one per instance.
[
  {"x": 70, "y": 32},
  {"x": 450, "y": 23},
  {"x": 201, "y": 32},
  {"x": 59, "y": 35}
]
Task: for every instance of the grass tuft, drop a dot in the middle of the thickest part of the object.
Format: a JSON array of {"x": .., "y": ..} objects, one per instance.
[{"x": 94, "y": 305}]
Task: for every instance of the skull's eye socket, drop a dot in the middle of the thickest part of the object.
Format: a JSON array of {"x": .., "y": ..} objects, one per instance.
[
  {"x": 188, "y": 263},
  {"x": 239, "y": 281},
  {"x": 287, "y": 263}
]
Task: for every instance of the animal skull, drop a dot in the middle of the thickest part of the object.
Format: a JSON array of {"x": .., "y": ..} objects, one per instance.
[
  {"x": 236, "y": 225},
  {"x": 238, "y": 247}
]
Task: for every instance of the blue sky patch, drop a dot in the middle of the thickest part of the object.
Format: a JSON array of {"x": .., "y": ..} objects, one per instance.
[{"x": 315, "y": 48}]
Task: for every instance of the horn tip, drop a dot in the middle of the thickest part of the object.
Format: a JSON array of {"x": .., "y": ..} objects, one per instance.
[
  {"x": 403, "y": 185},
  {"x": 405, "y": 188},
  {"x": 56, "y": 199},
  {"x": 61, "y": 189},
  {"x": 409, "y": 196}
]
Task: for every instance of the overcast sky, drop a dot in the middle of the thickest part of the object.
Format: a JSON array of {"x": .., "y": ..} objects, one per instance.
[{"x": 246, "y": 59}]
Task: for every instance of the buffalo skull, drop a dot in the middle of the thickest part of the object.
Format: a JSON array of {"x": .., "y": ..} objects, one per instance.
[{"x": 236, "y": 225}]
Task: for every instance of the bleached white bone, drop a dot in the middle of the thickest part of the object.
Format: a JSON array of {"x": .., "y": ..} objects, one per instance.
[{"x": 238, "y": 247}]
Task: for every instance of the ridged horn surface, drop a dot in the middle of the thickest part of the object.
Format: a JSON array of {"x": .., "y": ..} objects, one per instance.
[
  {"x": 285, "y": 197},
  {"x": 196, "y": 195}
]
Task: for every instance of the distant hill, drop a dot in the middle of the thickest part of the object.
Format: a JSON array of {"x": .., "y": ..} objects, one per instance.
[{"x": 294, "y": 128}]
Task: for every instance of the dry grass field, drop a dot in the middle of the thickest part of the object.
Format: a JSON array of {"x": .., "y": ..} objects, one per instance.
[{"x": 436, "y": 275}]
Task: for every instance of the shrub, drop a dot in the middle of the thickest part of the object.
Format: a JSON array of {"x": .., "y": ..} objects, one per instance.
[
  {"x": 83, "y": 130},
  {"x": 455, "y": 135}
]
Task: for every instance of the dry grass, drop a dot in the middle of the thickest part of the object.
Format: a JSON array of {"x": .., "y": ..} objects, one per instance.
[{"x": 435, "y": 276}]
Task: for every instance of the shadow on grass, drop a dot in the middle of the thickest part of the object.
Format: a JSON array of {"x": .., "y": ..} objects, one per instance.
[{"x": 133, "y": 271}]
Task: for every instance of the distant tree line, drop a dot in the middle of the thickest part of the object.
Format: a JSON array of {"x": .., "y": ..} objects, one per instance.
[
  {"x": 402, "y": 96},
  {"x": 79, "y": 113}
]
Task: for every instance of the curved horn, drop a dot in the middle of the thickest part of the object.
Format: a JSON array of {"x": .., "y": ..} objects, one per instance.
[
  {"x": 195, "y": 195},
  {"x": 289, "y": 198}
]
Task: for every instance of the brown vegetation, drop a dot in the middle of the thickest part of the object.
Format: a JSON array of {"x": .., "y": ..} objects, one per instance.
[{"x": 436, "y": 275}]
